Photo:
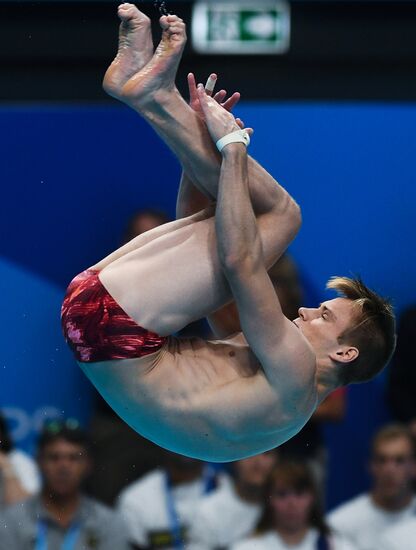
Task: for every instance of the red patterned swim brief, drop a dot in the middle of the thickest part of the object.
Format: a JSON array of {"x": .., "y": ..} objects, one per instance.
[{"x": 97, "y": 329}]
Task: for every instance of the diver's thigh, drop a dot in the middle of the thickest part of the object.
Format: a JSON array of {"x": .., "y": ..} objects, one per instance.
[
  {"x": 171, "y": 281},
  {"x": 153, "y": 234}
]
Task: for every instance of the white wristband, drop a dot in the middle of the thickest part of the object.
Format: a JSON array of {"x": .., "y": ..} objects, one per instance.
[{"x": 240, "y": 136}]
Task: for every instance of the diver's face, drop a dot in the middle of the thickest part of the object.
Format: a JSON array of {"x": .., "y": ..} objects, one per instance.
[{"x": 322, "y": 326}]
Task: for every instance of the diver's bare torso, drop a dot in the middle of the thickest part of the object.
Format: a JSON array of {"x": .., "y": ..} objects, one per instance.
[{"x": 206, "y": 399}]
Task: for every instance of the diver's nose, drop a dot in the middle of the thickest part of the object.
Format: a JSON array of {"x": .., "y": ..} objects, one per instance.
[{"x": 302, "y": 313}]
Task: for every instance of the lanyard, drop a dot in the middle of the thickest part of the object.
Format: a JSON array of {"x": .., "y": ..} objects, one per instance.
[
  {"x": 209, "y": 479},
  {"x": 68, "y": 542},
  {"x": 175, "y": 526},
  {"x": 322, "y": 543}
]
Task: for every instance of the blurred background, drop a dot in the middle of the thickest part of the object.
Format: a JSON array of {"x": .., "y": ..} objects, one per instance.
[{"x": 330, "y": 88}]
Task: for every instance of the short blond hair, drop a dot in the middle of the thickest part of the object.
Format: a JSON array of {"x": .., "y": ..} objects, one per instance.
[{"x": 373, "y": 332}]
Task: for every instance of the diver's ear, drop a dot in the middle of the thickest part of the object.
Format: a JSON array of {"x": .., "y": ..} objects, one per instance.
[{"x": 344, "y": 354}]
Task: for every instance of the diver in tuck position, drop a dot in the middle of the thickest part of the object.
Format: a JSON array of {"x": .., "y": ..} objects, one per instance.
[{"x": 253, "y": 387}]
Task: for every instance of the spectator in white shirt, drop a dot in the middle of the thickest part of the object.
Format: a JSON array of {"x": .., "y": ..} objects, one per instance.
[
  {"x": 399, "y": 537},
  {"x": 391, "y": 500},
  {"x": 231, "y": 513},
  {"x": 19, "y": 475},
  {"x": 159, "y": 507},
  {"x": 292, "y": 518}
]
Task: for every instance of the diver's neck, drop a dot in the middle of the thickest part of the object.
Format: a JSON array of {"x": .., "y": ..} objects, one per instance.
[{"x": 326, "y": 381}]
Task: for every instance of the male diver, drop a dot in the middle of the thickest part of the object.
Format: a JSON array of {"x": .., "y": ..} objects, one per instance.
[{"x": 258, "y": 383}]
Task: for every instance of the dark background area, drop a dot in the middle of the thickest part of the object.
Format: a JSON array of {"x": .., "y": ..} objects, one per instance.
[{"x": 58, "y": 51}]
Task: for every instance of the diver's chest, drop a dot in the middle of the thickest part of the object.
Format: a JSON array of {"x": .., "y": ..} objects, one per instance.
[{"x": 236, "y": 360}]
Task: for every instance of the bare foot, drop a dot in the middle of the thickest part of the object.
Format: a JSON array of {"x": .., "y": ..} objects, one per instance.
[
  {"x": 160, "y": 73},
  {"x": 135, "y": 49}
]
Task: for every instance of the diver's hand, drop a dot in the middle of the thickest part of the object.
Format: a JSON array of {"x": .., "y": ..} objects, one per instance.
[
  {"x": 219, "y": 121},
  {"x": 220, "y": 97}
]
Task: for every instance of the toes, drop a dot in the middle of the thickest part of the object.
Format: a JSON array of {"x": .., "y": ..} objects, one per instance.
[
  {"x": 164, "y": 23},
  {"x": 172, "y": 19},
  {"x": 176, "y": 29},
  {"x": 128, "y": 12},
  {"x": 172, "y": 24},
  {"x": 125, "y": 9}
]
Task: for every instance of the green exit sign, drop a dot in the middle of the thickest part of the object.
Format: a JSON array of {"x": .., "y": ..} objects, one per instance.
[{"x": 256, "y": 27}]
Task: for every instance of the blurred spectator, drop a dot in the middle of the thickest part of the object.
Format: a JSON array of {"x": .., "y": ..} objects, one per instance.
[
  {"x": 286, "y": 281},
  {"x": 292, "y": 515},
  {"x": 120, "y": 454},
  {"x": 402, "y": 382},
  {"x": 399, "y": 537},
  {"x": 232, "y": 512},
  {"x": 60, "y": 516},
  {"x": 144, "y": 220},
  {"x": 19, "y": 477},
  {"x": 365, "y": 518},
  {"x": 309, "y": 443},
  {"x": 158, "y": 508}
]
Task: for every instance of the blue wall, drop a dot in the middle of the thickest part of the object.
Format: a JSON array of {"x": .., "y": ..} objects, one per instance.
[{"x": 71, "y": 177}]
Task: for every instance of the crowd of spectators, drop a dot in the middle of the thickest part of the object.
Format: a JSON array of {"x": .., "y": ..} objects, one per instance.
[
  {"x": 109, "y": 489},
  {"x": 265, "y": 502}
]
